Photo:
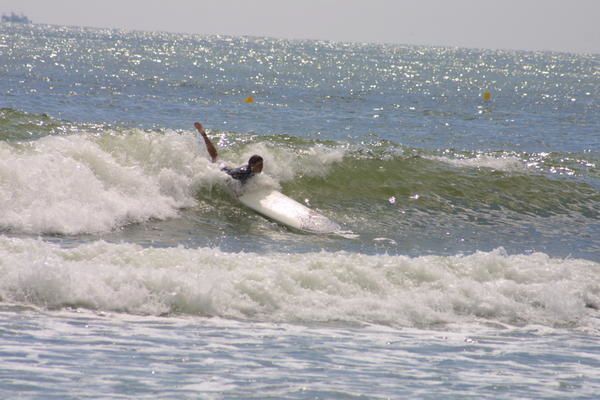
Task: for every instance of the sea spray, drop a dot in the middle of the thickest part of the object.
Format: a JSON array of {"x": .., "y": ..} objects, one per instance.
[
  {"x": 323, "y": 286},
  {"x": 97, "y": 182}
]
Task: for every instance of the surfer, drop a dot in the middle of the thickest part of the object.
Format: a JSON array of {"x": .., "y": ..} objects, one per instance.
[{"x": 243, "y": 173}]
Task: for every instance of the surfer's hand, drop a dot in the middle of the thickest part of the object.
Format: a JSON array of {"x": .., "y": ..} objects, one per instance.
[{"x": 199, "y": 127}]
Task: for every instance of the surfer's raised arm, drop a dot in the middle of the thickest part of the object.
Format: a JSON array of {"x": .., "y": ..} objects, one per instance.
[
  {"x": 212, "y": 151},
  {"x": 243, "y": 173}
]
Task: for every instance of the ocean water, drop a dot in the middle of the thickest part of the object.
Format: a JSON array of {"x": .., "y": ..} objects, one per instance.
[{"x": 469, "y": 266}]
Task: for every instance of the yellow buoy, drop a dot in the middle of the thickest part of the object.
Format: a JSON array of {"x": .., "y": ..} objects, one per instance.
[
  {"x": 249, "y": 99},
  {"x": 487, "y": 96}
]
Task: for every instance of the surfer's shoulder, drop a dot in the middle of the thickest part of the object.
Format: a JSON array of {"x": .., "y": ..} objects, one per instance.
[{"x": 242, "y": 173}]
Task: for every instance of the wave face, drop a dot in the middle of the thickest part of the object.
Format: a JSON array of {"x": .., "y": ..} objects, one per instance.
[
  {"x": 100, "y": 180},
  {"x": 323, "y": 287}
]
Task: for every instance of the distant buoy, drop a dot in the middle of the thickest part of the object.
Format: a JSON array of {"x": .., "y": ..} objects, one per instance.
[
  {"x": 487, "y": 96},
  {"x": 249, "y": 99}
]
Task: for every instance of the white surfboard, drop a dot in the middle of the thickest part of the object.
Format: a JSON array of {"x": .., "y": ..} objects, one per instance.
[{"x": 278, "y": 207}]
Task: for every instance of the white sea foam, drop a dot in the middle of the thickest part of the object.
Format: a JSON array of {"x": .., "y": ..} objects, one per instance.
[
  {"x": 505, "y": 163},
  {"x": 284, "y": 164},
  {"x": 95, "y": 183},
  {"x": 312, "y": 287}
]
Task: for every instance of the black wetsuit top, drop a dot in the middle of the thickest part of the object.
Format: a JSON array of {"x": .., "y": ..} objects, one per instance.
[{"x": 242, "y": 173}]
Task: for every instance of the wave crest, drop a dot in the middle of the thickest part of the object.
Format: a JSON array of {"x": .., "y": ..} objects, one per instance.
[{"x": 313, "y": 287}]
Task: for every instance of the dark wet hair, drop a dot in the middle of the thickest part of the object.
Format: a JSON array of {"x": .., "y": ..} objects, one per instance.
[{"x": 255, "y": 159}]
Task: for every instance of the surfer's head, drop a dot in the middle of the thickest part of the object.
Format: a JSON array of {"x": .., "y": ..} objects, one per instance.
[{"x": 256, "y": 164}]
